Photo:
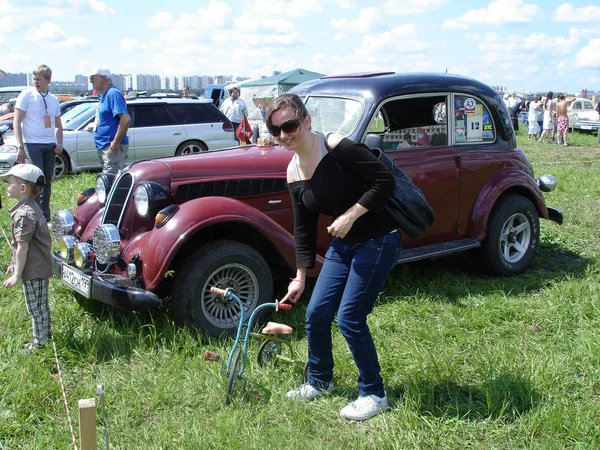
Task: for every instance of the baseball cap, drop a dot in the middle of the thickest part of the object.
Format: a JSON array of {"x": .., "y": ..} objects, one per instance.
[
  {"x": 101, "y": 70},
  {"x": 27, "y": 172}
]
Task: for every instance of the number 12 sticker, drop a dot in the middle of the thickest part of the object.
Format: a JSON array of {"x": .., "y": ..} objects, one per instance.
[{"x": 475, "y": 125}]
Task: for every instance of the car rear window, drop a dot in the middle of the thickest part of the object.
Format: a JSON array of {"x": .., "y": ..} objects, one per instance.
[
  {"x": 472, "y": 120},
  {"x": 190, "y": 113}
]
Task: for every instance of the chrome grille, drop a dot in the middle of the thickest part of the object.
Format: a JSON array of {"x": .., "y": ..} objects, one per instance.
[{"x": 117, "y": 201}]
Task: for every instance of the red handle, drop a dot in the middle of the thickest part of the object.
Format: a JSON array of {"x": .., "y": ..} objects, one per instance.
[
  {"x": 216, "y": 290},
  {"x": 285, "y": 306}
]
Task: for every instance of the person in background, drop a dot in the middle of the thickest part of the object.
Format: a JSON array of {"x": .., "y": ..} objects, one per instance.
[
  {"x": 234, "y": 108},
  {"x": 548, "y": 107},
  {"x": 598, "y": 111},
  {"x": 38, "y": 130},
  {"x": 534, "y": 107},
  {"x": 6, "y": 108},
  {"x": 562, "y": 119},
  {"x": 186, "y": 91},
  {"x": 31, "y": 260},
  {"x": 517, "y": 107},
  {"x": 365, "y": 246},
  {"x": 111, "y": 124}
]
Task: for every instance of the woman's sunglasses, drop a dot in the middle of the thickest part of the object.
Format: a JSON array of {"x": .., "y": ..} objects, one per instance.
[{"x": 289, "y": 126}]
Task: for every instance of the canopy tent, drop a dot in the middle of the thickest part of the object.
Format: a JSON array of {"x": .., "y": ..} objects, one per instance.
[{"x": 270, "y": 87}]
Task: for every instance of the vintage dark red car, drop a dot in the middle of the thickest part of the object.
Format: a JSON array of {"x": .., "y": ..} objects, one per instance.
[{"x": 174, "y": 227}]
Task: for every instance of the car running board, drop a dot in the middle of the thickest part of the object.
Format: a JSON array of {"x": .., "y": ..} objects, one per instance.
[{"x": 436, "y": 250}]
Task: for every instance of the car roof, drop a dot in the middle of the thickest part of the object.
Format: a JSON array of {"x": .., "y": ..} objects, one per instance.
[
  {"x": 386, "y": 84},
  {"x": 155, "y": 100}
]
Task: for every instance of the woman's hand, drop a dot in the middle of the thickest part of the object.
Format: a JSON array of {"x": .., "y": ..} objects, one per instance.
[
  {"x": 341, "y": 226},
  {"x": 295, "y": 290}
]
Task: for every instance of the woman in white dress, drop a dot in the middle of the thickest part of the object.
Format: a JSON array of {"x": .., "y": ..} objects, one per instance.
[
  {"x": 534, "y": 128},
  {"x": 548, "y": 117}
]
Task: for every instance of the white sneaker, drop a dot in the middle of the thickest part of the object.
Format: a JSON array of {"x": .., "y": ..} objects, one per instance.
[
  {"x": 365, "y": 407},
  {"x": 306, "y": 392}
]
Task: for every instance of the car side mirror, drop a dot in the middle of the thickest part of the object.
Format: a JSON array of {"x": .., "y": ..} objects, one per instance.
[{"x": 90, "y": 127}]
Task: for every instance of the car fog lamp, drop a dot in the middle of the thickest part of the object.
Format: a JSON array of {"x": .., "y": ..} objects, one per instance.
[
  {"x": 66, "y": 247},
  {"x": 141, "y": 200},
  {"x": 107, "y": 243},
  {"x": 82, "y": 254},
  {"x": 63, "y": 223},
  {"x": 131, "y": 270}
]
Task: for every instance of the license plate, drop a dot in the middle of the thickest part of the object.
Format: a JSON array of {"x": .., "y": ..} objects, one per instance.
[
  {"x": 76, "y": 280},
  {"x": 586, "y": 127}
]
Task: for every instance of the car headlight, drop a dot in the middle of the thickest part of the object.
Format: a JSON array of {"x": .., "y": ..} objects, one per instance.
[
  {"x": 107, "y": 243},
  {"x": 104, "y": 182},
  {"x": 141, "y": 200},
  {"x": 148, "y": 197},
  {"x": 63, "y": 223},
  {"x": 8, "y": 149}
]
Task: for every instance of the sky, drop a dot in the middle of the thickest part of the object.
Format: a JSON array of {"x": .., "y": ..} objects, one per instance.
[{"x": 522, "y": 45}]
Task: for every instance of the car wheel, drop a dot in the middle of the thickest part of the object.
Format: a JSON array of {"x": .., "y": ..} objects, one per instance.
[
  {"x": 513, "y": 236},
  {"x": 224, "y": 264},
  {"x": 61, "y": 165},
  {"x": 190, "y": 147}
]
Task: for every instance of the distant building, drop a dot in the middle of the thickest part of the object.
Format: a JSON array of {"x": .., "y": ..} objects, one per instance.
[{"x": 14, "y": 79}]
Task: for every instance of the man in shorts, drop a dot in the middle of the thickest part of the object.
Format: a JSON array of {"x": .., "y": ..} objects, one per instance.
[{"x": 562, "y": 120}]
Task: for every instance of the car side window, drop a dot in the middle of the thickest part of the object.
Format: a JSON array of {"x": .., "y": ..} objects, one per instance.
[
  {"x": 150, "y": 116},
  {"x": 472, "y": 121},
  {"x": 190, "y": 113},
  {"x": 412, "y": 122}
]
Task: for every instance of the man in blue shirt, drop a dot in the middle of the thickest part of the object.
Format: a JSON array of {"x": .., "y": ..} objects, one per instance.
[{"x": 111, "y": 124}]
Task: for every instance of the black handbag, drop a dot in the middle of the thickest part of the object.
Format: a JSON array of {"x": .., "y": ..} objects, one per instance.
[{"x": 407, "y": 204}]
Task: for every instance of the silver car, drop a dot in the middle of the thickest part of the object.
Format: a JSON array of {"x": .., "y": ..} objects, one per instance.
[{"x": 159, "y": 127}]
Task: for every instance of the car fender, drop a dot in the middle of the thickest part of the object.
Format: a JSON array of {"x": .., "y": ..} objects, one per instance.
[
  {"x": 501, "y": 182},
  {"x": 160, "y": 245}
]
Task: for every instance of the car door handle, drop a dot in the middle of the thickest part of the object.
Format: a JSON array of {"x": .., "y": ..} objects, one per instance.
[
  {"x": 274, "y": 202},
  {"x": 176, "y": 133}
]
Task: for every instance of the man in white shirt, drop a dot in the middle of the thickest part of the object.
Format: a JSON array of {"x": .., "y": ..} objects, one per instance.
[
  {"x": 234, "y": 108},
  {"x": 38, "y": 130}
]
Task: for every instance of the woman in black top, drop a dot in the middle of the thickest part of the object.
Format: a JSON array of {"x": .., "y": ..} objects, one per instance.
[{"x": 342, "y": 179}]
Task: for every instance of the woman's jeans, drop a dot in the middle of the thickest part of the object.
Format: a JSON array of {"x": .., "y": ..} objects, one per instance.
[
  {"x": 43, "y": 156},
  {"x": 349, "y": 283}
]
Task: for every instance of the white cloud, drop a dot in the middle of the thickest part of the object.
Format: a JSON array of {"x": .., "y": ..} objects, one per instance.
[
  {"x": 367, "y": 20},
  {"x": 129, "y": 45},
  {"x": 589, "y": 56},
  {"x": 567, "y": 13},
  {"x": 401, "y": 39},
  {"x": 405, "y": 7},
  {"x": 51, "y": 35},
  {"x": 339, "y": 36},
  {"x": 100, "y": 7},
  {"x": 162, "y": 19},
  {"x": 498, "y": 12}
]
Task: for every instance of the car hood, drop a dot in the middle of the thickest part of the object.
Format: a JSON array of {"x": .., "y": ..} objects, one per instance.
[{"x": 233, "y": 163}]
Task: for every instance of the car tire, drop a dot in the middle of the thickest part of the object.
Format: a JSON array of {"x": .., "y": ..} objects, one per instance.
[
  {"x": 61, "y": 166},
  {"x": 190, "y": 148},
  {"x": 513, "y": 237},
  {"x": 224, "y": 264}
]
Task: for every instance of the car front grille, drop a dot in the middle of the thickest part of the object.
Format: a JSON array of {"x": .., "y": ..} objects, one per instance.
[
  {"x": 231, "y": 188},
  {"x": 119, "y": 195}
]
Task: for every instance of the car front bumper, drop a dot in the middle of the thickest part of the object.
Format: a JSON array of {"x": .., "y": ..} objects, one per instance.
[{"x": 111, "y": 289}]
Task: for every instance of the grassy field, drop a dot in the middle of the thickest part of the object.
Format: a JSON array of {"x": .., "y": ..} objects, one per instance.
[{"x": 470, "y": 361}]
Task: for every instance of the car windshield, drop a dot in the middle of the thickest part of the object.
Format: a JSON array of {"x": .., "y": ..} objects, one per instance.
[
  {"x": 75, "y": 111},
  {"x": 81, "y": 119},
  {"x": 334, "y": 114}
]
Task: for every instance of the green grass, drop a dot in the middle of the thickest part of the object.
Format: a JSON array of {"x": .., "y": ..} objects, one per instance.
[{"x": 470, "y": 361}]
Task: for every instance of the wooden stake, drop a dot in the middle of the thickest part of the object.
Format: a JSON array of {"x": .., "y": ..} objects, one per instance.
[{"x": 87, "y": 424}]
